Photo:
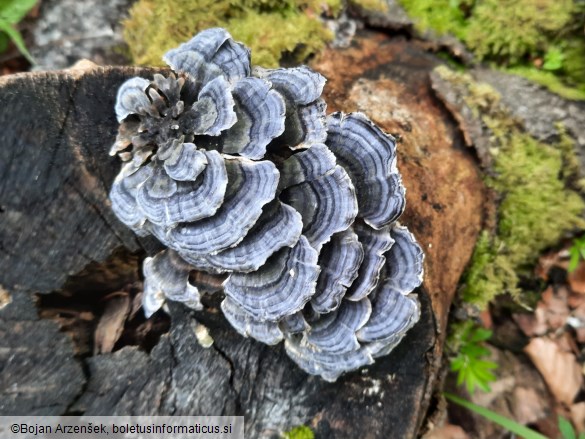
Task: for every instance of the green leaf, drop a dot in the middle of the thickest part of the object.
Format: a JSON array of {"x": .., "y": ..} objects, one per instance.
[
  {"x": 496, "y": 418},
  {"x": 16, "y": 39},
  {"x": 12, "y": 11},
  {"x": 457, "y": 363},
  {"x": 574, "y": 262},
  {"x": 553, "y": 59},
  {"x": 566, "y": 429},
  {"x": 481, "y": 334},
  {"x": 474, "y": 350},
  {"x": 483, "y": 373}
]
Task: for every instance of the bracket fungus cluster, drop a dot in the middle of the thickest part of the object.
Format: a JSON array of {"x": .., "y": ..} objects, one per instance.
[{"x": 239, "y": 171}]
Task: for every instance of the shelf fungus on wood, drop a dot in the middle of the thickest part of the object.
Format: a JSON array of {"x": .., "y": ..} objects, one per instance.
[{"x": 239, "y": 171}]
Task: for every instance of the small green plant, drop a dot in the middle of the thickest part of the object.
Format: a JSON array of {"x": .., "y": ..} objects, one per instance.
[
  {"x": 300, "y": 432},
  {"x": 473, "y": 370},
  {"x": 553, "y": 59},
  {"x": 577, "y": 252},
  {"x": 565, "y": 427},
  {"x": 11, "y": 13}
]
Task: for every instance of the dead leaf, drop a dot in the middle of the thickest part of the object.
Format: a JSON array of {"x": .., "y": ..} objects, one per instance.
[
  {"x": 111, "y": 324},
  {"x": 551, "y": 313},
  {"x": 527, "y": 405},
  {"x": 560, "y": 369},
  {"x": 532, "y": 324},
  {"x": 448, "y": 431}
]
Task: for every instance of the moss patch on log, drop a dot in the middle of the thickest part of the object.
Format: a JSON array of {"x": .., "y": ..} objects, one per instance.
[
  {"x": 270, "y": 28},
  {"x": 536, "y": 206}
]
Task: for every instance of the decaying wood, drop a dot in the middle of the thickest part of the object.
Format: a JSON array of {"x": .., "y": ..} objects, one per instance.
[{"x": 55, "y": 219}]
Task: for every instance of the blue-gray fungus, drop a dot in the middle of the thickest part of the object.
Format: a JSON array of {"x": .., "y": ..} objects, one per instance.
[{"x": 238, "y": 170}]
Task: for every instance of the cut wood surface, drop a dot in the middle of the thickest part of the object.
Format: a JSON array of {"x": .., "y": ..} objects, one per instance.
[{"x": 55, "y": 219}]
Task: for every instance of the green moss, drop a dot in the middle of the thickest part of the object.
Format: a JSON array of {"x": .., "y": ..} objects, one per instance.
[
  {"x": 490, "y": 273},
  {"x": 538, "y": 39},
  {"x": 551, "y": 81},
  {"x": 440, "y": 16},
  {"x": 271, "y": 34},
  {"x": 301, "y": 432},
  {"x": 512, "y": 29},
  {"x": 536, "y": 207},
  {"x": 271, "y": 28}
]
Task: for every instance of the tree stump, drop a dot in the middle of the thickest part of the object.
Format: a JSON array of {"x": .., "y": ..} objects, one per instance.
[{"x": 55, "y": 219}]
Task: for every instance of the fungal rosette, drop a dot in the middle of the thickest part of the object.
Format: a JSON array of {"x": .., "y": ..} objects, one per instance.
[{"x": 239, "y": 171}]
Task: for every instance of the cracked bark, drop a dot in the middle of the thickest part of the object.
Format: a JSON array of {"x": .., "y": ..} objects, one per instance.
[{"x": 53, "y": 229}]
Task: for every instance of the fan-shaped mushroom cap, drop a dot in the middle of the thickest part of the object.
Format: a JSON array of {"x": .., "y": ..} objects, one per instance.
[
  {"x": 260, "y": 113},
  {"x": 167, "y": 202},
  {"x": 395, "y": 310},
  {"x": 280, "y": 287},
  {"x": 294, "y": 323},
  {"x": 310, "y": 164},
  {"x": 404, "y": 261},
  {"x": 392, "y": 314},
  {"x": 336, "y": 332},
  {"x": 305, "y": 111},
  {"x": 328, "y": 366},
  {"x": 339, "y": 260},
  {"x": 244, "y": 174},
  {"x": 167, "y": 275},
  {"x": 369, "y": 157},
  {"x": 123, "y": 195},
  {"x": 307, "y": 126},
  {"x": 375, "y": 243},
  {"x": 250, "y": 186},
  {"x": 327, "y": 205},
  {"x": 209, "y": 54},
  {"x": 278, "y": 226},
  {"x": 213, "y": 112},
  {"x": 184, "y": 162},
  {"x": 299, "y": 85},
  {"x": 132, "y": 99},
  {"x": 248, "y": 326}
]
